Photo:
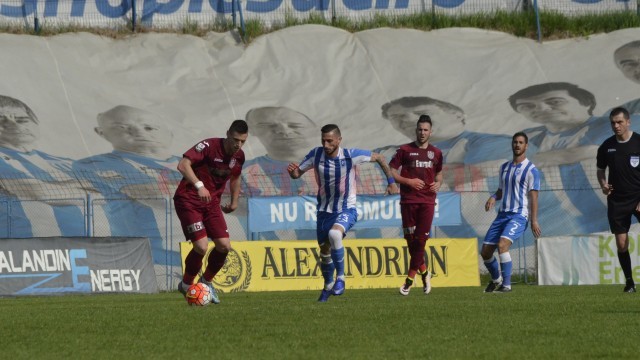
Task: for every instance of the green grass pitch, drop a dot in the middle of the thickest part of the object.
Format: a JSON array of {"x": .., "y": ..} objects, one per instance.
[{"x": 532, "y": 322}]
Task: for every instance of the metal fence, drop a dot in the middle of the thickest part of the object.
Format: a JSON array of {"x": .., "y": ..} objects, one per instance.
[{"x": 44, "y": 208}]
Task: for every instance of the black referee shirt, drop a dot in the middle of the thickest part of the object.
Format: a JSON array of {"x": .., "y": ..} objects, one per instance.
[{"x": 623, "y": 161}]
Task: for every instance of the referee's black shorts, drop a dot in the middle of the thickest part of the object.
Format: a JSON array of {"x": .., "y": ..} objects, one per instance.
[{"x": 619, "y": 211}]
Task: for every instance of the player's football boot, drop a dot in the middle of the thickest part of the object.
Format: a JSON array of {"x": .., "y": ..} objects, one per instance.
[
  {"x": 406, "y": 287},
  {"x": 182, "y": 287},
  {"x": 338, "y": 287},
  {"x": 324, "y": 295},
  {"x": 502, "y": 289},
  {"x": 426, "y": 282},
  {"x": 493, "y": 285},
  {"x": 630, "y": 287},
  {"x": 214, "y": 295}
]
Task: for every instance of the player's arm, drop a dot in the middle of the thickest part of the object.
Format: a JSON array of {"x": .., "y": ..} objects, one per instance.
[
  {"x": 435, "y": 186},
  {"x": 414, "y": 183},
  {"x": 294, "y": 171},
  {"x": 184, "y": 166},
  {"x": 602, "y": 180},
  {"x": 392, "y": 187},
  {"x": 234, "y": 186},
  {"x": 492, "y": 200},
  {"x": 533, "y": 200}
]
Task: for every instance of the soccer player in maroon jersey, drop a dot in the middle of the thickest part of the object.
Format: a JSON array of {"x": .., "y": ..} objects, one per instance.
[
  {"x": 417, "y": 167},
  {"x": 206, "y": 168}
]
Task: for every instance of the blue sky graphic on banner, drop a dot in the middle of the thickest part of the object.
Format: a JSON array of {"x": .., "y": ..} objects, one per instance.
[{"x": 299, "y": 212}]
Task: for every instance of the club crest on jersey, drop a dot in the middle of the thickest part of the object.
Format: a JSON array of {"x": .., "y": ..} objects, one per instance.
[
  {"x": 201, "y": 146},
  {"x": 634, "y": 160},
  {"x": 232, "y": 163},
  {"x": 430, "y": 154}
]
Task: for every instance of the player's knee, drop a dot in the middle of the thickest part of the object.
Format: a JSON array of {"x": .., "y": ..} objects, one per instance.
[
  {"x": 335, "y": 238},
  {"x": 487, "y": 253},
  {"x": 223, "y": 246},
  {"x": 201, "y": 246},
  {"x": 504, "y": 245}
]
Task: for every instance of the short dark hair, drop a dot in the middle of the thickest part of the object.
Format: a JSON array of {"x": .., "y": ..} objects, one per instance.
[
  {"x": 413, "y": 101},
  {"x": 583, "y": 96},
  {"x": 424, "y": 119},
  {"x": 329, "y": 128},
  {"x": 520, "y": 133},
  {"x": 617, "y": 111},
  {"x": 239, "y": 126},
  {"x": 6, "y": 101}
]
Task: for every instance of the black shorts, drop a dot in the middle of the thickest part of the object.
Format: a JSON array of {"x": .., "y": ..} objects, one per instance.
[{"x": 619, "y": 211}]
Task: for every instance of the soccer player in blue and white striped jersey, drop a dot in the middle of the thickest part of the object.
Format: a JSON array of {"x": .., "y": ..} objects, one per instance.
[
  {"x": 518, "y": 190},
  {"x": 335, "y": 170}
]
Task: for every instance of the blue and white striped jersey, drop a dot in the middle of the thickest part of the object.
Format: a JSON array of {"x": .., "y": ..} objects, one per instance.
[
  {"x": 31, "y": 185},
  {"x": 516, "y": 180},
  {"x": 336, "y": 177}
]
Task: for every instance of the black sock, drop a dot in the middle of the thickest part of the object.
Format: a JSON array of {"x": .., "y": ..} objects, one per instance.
[{"x": 625, "y": 264}]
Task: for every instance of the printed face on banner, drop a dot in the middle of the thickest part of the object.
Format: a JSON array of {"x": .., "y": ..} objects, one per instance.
[
  {"x": 554, "y": 107},
  {"x": 17, "y": 127},
  {"x": 627, "y": 59},
  {"x": 281, "y": 129},
  {"x": 446, "y": 124},
  {"x": 134, "y": 130}
]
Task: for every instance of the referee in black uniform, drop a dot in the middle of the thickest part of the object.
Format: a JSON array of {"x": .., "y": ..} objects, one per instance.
[{"x": 621, "y": 154}]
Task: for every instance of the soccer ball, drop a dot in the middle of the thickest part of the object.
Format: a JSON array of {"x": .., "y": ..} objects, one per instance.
[{"x": 199, "y": 295}]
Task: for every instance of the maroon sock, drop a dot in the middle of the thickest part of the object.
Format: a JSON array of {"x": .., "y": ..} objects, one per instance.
[
  {"x": 214, "y": 264},
  {"x": 416, "y": 249},
  {"x": 192, "y": 266}
]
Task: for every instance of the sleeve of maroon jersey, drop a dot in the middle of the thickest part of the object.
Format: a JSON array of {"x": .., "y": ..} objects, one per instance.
[
  {"x": 396, "y": 160},
  {"x": 198, "y": 152},
  {"x": 439, "y": 164}
]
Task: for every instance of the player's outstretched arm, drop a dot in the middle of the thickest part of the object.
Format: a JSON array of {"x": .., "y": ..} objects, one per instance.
[
  {"x": 392, "y": 187},
  {"x": 294, "y": 171}
]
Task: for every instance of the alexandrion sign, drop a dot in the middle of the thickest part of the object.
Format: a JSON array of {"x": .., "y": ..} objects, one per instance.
[{"x": 371, "y": 263}]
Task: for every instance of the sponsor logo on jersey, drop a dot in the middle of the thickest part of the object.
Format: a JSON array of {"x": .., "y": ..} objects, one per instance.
[
  {"x": 201, "y": 146},
  {"x": 217, "y": 160},
  {"x": 413, "y": 154},
  {"x": 634, "y": 160},
  {"x": 611, "y": 150},
  {"x": 195, "y": 227},
  {"x": 423, "y": 164}
]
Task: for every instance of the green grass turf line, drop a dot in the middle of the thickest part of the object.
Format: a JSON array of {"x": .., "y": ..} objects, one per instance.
[{"x": 532, "y": 322}]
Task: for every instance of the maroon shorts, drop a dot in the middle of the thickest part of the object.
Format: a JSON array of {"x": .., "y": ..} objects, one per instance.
[
  {"x": 200, "y": 219},
  {"x": 417, "y": 219}
]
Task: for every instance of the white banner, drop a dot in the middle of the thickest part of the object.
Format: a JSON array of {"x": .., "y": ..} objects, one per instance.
[{"x": 584, "y": 260}]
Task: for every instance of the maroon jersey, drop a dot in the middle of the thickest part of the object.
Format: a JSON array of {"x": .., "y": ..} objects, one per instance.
[
  {"x": 212, "y": 166},
  {"x": 417, "y": 163}
]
